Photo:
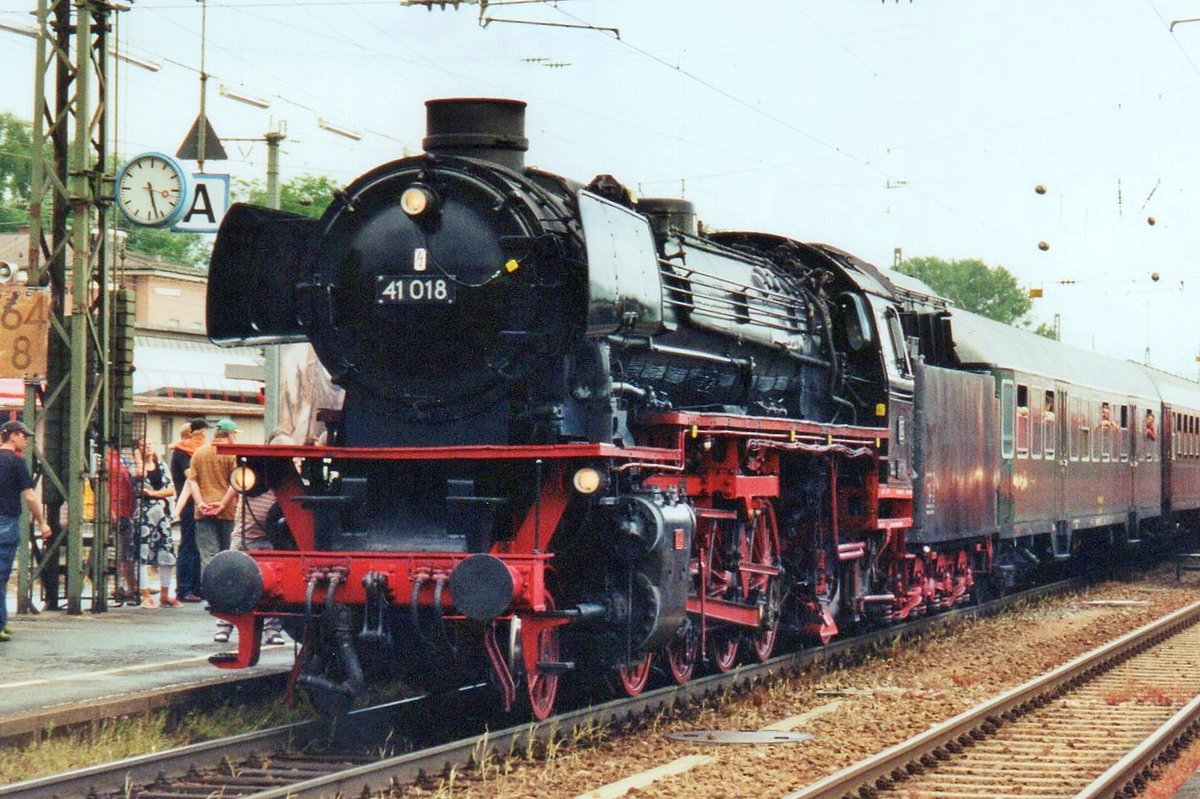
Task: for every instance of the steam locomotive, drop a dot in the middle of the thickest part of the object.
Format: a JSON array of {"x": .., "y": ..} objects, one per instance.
[{"x": 582, "y": 438}]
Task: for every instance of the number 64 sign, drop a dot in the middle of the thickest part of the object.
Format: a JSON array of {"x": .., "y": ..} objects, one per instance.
[{"x": 24, "y": 331}]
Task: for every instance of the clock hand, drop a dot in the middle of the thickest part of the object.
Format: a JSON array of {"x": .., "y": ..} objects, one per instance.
[{"x": 153, "y": 202}]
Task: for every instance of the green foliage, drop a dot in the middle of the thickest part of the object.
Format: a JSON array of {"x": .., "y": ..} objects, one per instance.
[
  {"x": 16, "y": 166},
  {"x": 182, "y": 248},
  {"x": 973, "y": 285},
  {"x": 307, "y": 195},
  {"x": 1045, "y": 330}
]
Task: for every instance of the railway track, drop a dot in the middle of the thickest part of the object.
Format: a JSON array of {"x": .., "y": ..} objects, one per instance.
[
  {"x": 304, "y": 760},
  {"x": 1093, "y": 727}
]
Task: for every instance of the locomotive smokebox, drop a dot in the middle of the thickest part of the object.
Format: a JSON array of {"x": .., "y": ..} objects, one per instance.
[{"x": 489, "y": 129}]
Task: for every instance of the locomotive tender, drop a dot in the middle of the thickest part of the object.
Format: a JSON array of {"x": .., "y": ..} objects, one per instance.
[{"x": 581, "y": 435}]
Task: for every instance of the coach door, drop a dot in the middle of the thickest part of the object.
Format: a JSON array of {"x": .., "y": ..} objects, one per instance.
[
  {"x": 1144, "y": 476},
  {"x": 1059, "y": 418}
]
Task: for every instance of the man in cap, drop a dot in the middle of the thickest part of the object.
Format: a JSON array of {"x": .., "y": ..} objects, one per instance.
[
  {"x": 209, "y": 483},
  {"x": 15, "y": 484}
]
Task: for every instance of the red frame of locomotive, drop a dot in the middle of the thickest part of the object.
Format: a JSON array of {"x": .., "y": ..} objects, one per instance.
[{"x": 287, "y": 574}]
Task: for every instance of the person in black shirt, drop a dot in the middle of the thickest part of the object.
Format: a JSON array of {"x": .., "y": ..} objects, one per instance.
[
  {"x": 187, "y": 578},
  {"x": 15, "y": 484}
]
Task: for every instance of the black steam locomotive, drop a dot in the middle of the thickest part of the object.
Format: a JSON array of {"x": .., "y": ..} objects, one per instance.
[{"x": 580, "y": 435}]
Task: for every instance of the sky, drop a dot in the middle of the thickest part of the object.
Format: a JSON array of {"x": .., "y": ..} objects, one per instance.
[{"x": 925, "y": 126}]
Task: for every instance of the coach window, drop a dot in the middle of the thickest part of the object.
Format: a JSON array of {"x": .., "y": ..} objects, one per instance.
[
  {"x": 1006, "y": 418},
  {"x": 1023, "y": 421},
  {"x": 1048, "y": 420},
  {"x": 1176, "y": 429},
  {"x": 1081, "y": 435},
  {"x": 1150, "y": 431}
]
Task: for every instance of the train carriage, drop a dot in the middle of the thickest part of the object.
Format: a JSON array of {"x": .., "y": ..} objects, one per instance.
[
  {"x": 1071, "y": 441},
  {"x": 1175, "y": 446}
]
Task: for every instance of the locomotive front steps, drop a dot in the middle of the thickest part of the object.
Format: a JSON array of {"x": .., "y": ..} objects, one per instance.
[{"x": 1186, "y": 562}]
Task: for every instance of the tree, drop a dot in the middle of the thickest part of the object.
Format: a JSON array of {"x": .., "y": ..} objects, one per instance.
[
  {"x": 307, "y": 195},
  {"x": 190, "y": 249},
  {"x": 16, "y": 167},
  {"x": 973, "y": 286},
  {"x": 1045, "y": 330}
]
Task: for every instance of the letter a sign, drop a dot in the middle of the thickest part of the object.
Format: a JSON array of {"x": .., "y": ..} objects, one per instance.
[{"x": 210, "y": 201}]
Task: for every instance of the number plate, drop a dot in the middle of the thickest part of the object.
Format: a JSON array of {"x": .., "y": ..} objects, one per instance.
[{"x": 424, "y": 290}]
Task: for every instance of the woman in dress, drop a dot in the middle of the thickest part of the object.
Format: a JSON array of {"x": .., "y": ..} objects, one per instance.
[{"x": 154, "y": 525}]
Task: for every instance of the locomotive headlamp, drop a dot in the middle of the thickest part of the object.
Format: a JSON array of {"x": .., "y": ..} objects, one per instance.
[
  {"x": 416, "y": 200},
  {"x": 243, "y": 479},
  {"x": 587, "y": 480}
]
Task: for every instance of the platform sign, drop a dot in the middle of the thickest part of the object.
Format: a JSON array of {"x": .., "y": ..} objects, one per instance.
[
  {"x": 24, "y": 331},
  {"x": 210, "y": 201}
]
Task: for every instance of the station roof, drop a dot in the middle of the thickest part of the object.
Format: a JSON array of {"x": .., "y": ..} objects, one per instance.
[{"x": 193, "y": 370}]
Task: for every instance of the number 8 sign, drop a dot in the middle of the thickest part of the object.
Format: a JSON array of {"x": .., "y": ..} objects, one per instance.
[{"x": 24, "y": 330}]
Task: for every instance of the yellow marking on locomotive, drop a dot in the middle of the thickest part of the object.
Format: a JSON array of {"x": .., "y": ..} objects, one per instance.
[
  {"x": 511, "y": 265},
  {"x": 880, "y": 409},
  {"x": 695, "y": 431}
]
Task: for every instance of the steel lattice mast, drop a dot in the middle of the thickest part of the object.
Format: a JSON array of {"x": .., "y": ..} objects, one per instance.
[{"x": 68, "y": 208}]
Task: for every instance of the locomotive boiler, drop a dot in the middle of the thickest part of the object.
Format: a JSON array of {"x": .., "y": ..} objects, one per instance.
[{"x": 580, "y": 436}]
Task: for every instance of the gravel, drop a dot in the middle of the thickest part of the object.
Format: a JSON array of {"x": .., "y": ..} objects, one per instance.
[{"x": 891, "y": 697}]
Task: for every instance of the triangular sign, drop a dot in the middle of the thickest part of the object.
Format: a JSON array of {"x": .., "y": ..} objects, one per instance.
[{"x": 190, "y": 149}]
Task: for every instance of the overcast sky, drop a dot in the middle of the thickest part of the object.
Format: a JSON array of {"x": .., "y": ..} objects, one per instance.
[{"x": 863, "y": 124}]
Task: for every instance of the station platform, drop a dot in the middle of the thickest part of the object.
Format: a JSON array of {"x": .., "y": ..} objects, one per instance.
[{"x": 126, "y": 660}]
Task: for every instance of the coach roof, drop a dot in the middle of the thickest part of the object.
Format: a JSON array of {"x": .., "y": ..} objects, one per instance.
[{"x": 983, "y": 342}]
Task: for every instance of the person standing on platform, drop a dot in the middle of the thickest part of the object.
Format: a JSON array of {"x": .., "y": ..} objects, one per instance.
[
  {"x": 122, "y": 508},
  {"x": 191, "y": 436},
  {"x": 154, "y": 529},
  {"x": 255, "y": 514},
  {"x": 16, "y": 484},
  {"x": 210, "y": 488}
]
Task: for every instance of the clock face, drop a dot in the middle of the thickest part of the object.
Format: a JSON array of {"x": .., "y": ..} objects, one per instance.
[{"x": 151, "y": 190}]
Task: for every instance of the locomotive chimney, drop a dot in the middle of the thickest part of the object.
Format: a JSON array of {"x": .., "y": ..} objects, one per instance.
[
  {"x": 489, "y": 129},
  {"x": 665, "y": 213}
]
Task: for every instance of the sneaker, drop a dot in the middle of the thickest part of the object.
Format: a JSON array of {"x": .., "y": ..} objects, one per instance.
[
  {"x": 274, "y": 638},
  {"x": 5, "y": 635},
  {"x": 191, "y": 598},
  {"x": 221, "y": 636},
  {"x": 149, "y": 602}
]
